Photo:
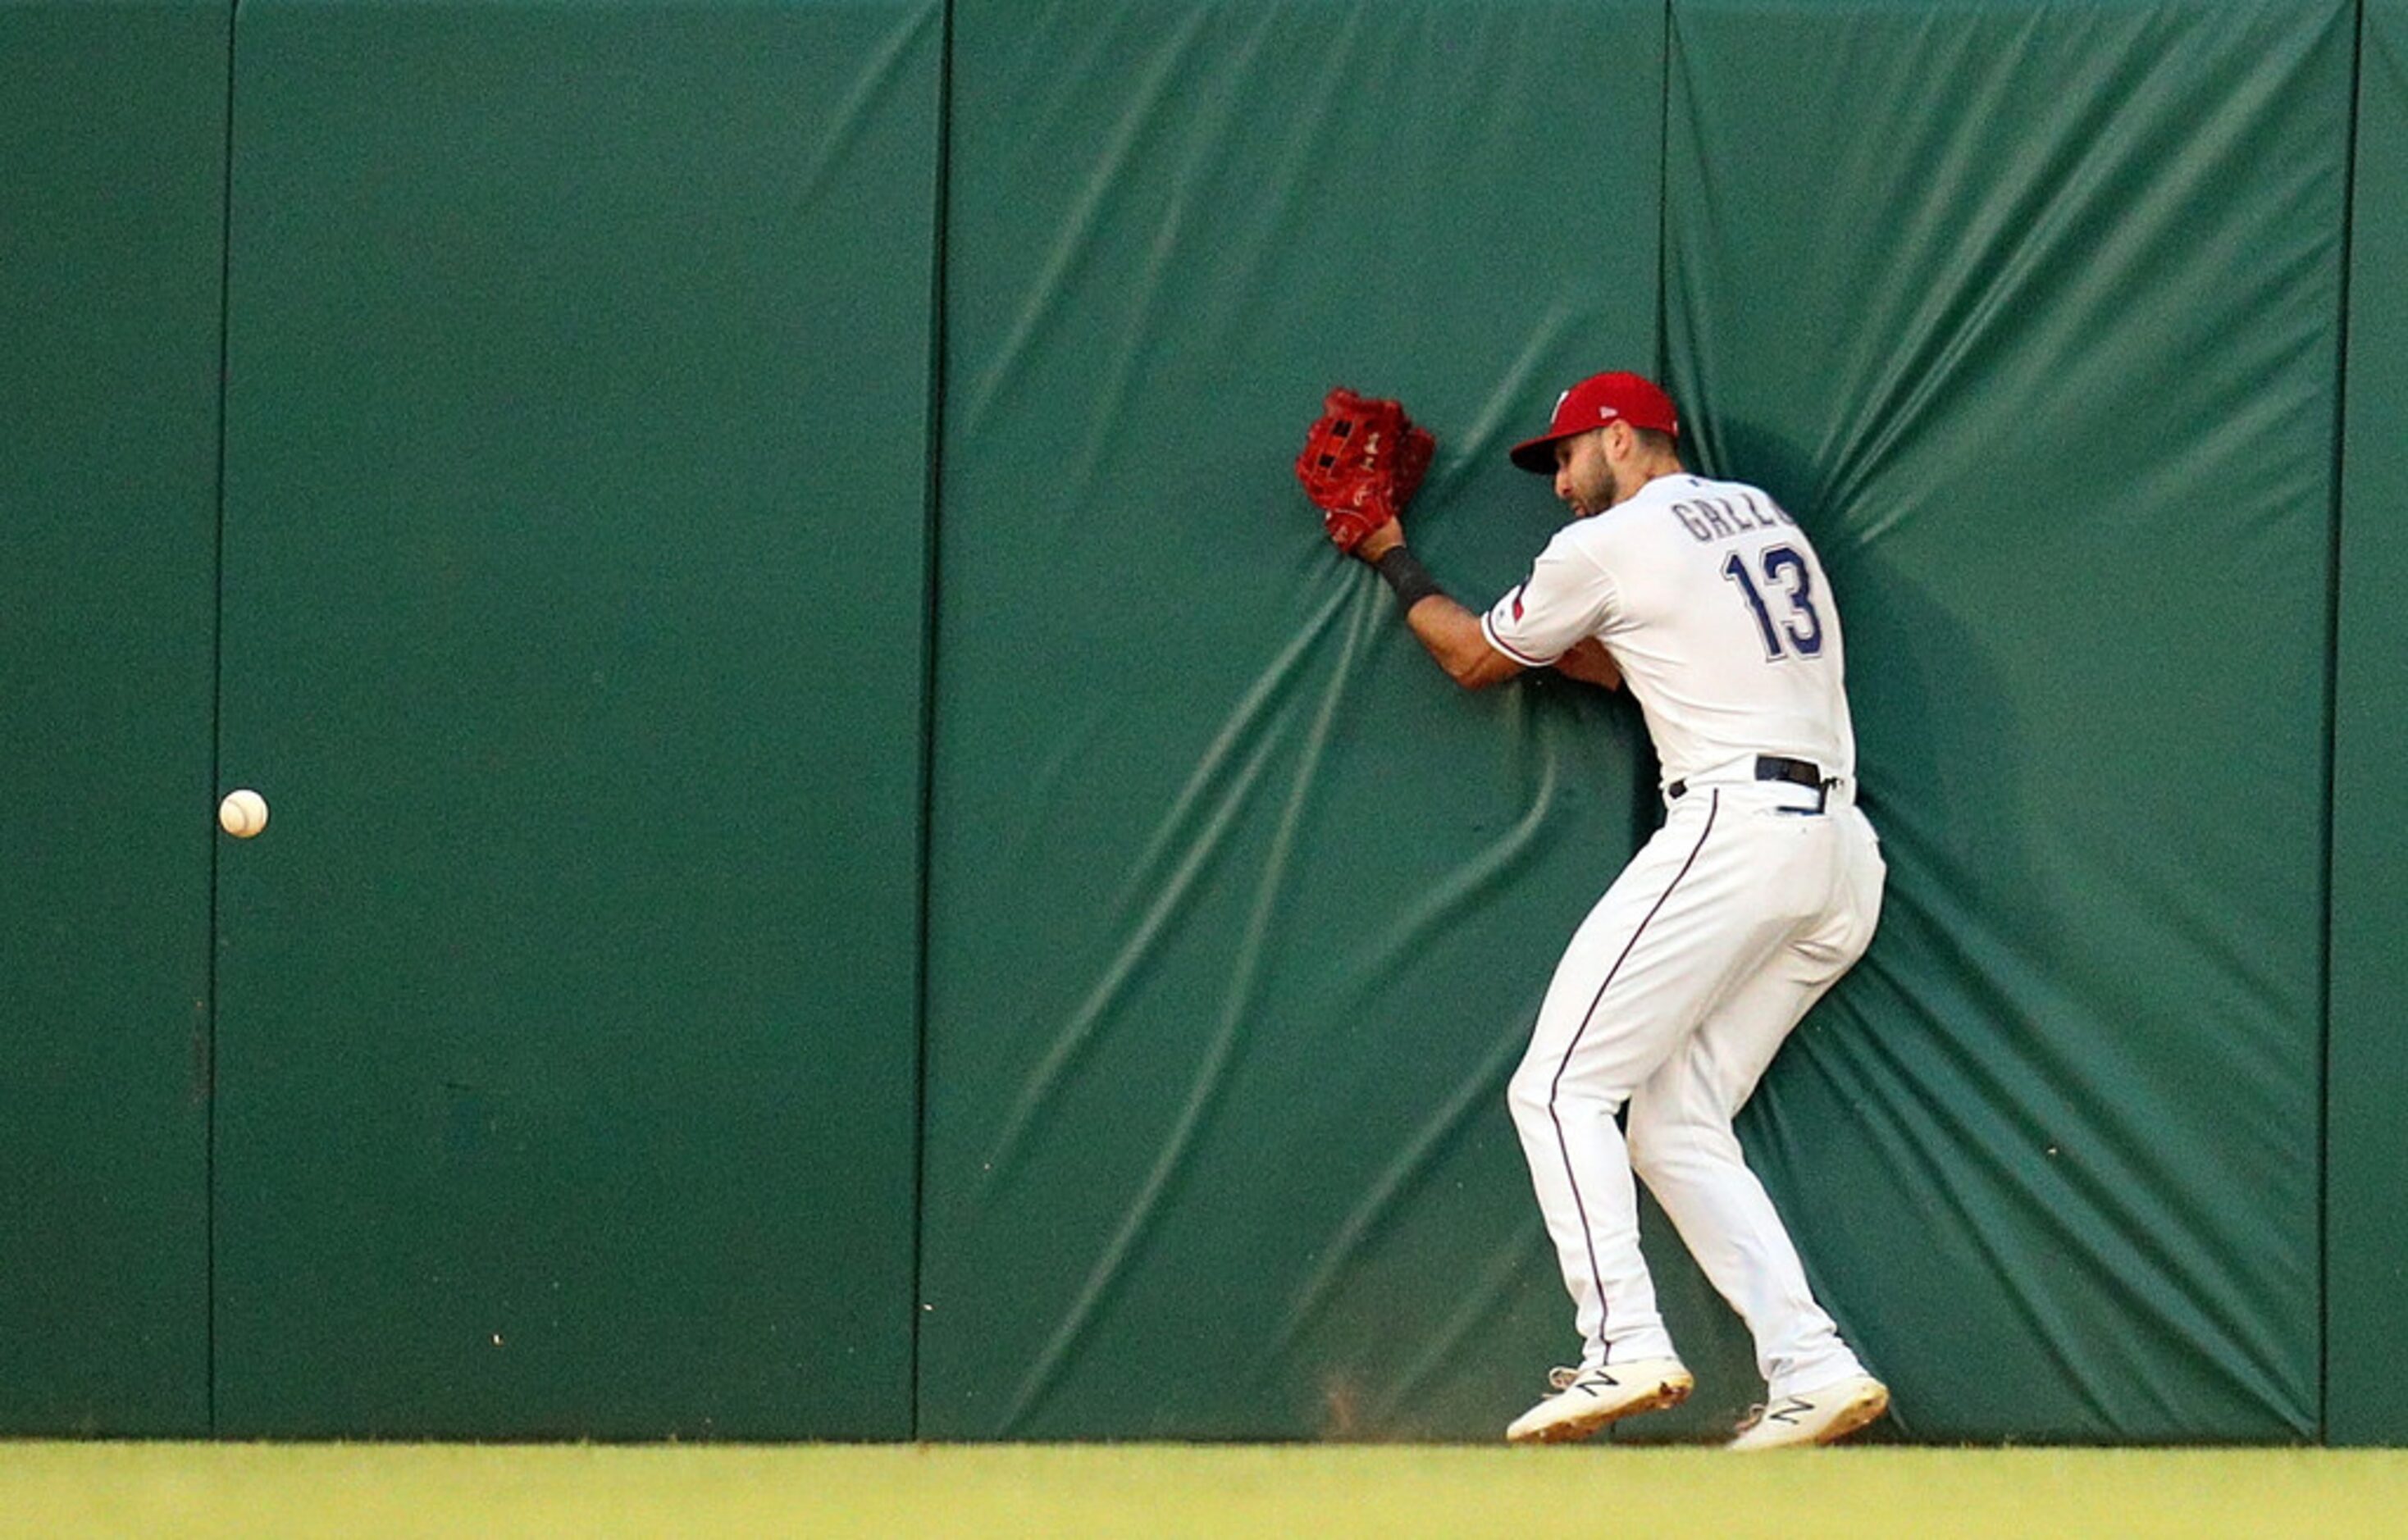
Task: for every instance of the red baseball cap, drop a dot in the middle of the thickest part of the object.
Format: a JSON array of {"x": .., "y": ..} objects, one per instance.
[{"x": 1593, "y": 403}]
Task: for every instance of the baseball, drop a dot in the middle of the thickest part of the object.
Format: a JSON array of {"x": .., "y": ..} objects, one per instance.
[{"x": 243, "y": 813}]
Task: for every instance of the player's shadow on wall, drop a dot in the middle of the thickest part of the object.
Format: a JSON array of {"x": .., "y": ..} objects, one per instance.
[{"x": 1939, "y": 762}]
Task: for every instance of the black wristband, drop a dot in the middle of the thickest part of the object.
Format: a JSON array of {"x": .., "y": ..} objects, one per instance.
[{"x": 1408, "y": 577}]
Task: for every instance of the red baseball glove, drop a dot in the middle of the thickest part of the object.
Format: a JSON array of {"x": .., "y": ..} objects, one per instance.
[{"x": 1361, "y": 463}]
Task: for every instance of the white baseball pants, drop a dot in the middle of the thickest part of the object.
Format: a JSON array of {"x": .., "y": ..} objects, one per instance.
[{"x": 1672, "y": 997}]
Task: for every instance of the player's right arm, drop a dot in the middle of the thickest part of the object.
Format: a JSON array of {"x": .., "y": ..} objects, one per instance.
[{"x": 1591, "y": 663}]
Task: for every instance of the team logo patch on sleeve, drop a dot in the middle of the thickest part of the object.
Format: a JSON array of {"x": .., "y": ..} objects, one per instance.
[{"x": 1517, "y": 604}]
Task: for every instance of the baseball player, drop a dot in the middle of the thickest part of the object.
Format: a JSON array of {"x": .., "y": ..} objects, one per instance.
[{"x": 1760, "y": 890}]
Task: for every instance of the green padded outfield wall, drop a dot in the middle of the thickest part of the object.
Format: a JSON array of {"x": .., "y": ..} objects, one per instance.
[
  {"x": 1240, "y": 910},
  {"x": 2367, "y": 1240},
  {"x": 575, "y": 587},
  {"x": 2031, "y": 312},
  {"x": 112, "y": 212}
]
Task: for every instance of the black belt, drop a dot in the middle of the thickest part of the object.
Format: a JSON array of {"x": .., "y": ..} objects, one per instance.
[{"x": 1771, "y": 767}]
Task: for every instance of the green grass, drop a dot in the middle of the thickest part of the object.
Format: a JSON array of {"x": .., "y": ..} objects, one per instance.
[{"x": 154, "y": 1491}]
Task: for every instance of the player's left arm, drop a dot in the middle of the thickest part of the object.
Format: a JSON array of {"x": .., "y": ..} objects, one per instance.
[{"x": 1449, "y": 632}]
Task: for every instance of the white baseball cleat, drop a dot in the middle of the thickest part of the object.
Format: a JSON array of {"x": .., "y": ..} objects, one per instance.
[
  {"x": 1588, "y": 1399},
  {"x": 1818, "y": 1417}
]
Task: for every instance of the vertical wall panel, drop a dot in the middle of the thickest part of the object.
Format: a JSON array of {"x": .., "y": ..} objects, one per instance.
[
  {"x": 112, "y": 138},
  {"x": 2030, "y": 312},
  {"x": 575, "y": 542},
  {"x": 2367, "y": 1241},
  {"x": 1240, "y": 910}
]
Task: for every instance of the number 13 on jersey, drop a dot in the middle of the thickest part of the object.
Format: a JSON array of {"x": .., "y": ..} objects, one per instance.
[{"x": 1786, "y": 576}]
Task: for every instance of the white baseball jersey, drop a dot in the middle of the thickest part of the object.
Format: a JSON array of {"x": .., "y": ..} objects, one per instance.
[{"x": 1713, "y": 602}]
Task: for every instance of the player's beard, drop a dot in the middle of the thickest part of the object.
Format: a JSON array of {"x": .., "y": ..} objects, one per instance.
[{"x": 1621, "y": 487}]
